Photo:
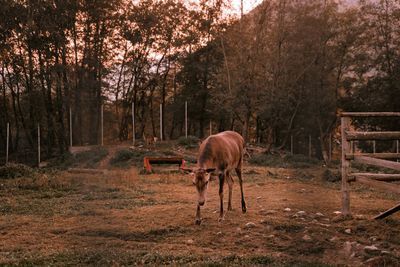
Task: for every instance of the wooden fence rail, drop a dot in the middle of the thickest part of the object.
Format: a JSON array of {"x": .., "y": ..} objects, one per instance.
[{"x": 378, "y": 180}]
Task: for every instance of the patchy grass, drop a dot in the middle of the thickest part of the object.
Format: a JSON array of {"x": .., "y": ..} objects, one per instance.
[
  {"x": 87, "y": 159},
  {"x": 189, "y": 142},
  {"x": 127, "y": 158},
  {"x": 287, "y": 161},
  {"x": 124, "y": 219},
  {"x": 107, "y": 257},
  {"x": 153, "y": 235}
]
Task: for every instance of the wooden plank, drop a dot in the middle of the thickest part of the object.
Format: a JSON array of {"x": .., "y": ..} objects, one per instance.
[
  {"x": 378, "y": 176},
  {"x": 345, "y": 124},
  {"x": 388, "y": 212},
  {"x": 350, "y": 156},
  {"x": 394, "y": 188},
  {"x": 370, "y": 114},
  {"x": 378, "y": 162},
  {"x": 372, "y": 135}
]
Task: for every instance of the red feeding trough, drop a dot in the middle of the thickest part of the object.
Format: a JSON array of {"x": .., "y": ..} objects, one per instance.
[{"x": 148, "y": 161}]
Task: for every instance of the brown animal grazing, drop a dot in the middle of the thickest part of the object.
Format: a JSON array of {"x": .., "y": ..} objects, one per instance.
[
  {"x": 149, "y": 140},
  {"x": 219, "y": 154}
]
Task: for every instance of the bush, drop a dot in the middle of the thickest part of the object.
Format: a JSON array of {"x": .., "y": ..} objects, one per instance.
[
  {"x": 11, "y": 171},
  {"x": 331, "y": 176},
  {"x": 189, "y": 142},
  {"x": 288, "y": 161},
  {"x": 127, "y": 157},
  {"x": 268, "y": 160},
  {"x": 85, "y": 159},
  {"x": 91, "y": 157}
]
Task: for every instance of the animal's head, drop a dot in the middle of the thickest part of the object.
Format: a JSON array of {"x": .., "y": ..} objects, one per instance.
[{"x": 201, "y": 177}]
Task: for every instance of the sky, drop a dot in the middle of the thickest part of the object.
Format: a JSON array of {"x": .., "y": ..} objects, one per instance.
[{"x": 247, "y": 5}]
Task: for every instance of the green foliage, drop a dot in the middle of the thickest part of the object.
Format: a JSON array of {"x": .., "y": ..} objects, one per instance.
[
  {"x": 11, "y": 171},
  {"x": 127, "y": 157},
  {"x": 189, "y": 142},
  {"x": 92, "y": 157},
  {"x": 86, "y": 159},
  {"x": 288, "y": 161},
  {"x": 331, "y": 176}
]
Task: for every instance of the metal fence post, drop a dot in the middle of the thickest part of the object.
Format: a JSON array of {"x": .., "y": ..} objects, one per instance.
[
  {"x": 8, "y": 141},
  {"x": 186, "y": 120},
  {"x": 133, "y": 124},
  {"x": 38, "y": 143}
]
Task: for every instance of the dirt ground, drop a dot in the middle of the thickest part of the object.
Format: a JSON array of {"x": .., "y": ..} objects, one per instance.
[{"x": 126, "y": 218}]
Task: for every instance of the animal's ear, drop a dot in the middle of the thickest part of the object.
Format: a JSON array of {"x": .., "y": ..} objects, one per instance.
[{"x": 210, "y": 170}]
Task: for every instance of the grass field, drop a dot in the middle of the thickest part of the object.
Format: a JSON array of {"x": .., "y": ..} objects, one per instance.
[{"x": 124, "y": 218}]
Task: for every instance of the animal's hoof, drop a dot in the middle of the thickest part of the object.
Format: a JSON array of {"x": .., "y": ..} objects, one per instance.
[
  {"x": 220, "y": 219},
  {"x": 198, "y": 221},
  {"x": 230, "y": 208},
  {"x": 244, "y": 209}
]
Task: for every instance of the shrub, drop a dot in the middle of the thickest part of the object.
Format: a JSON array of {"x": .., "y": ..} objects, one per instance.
[
  {"x": 127, "y": 157},
  {"x": 189, "y": 142},
  {"x": 268, "y": 160},
  {"x": 91, "y": 157},
  {"x": 85, "y": 159},
  {"x": 331, "y": 176},
  {"x": 11, "y": 171},
  {"x": 288, "y": 161}
]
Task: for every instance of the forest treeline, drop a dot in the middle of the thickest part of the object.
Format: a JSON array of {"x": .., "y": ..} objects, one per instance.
[{"x": 284, "y": 69}]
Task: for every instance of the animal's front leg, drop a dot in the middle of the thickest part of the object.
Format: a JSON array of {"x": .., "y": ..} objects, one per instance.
[
  {"x": 198, "y": 218},
  {"x": 221, "y": 196}
]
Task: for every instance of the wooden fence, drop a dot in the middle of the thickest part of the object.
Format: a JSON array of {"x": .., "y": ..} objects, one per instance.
[{"x": 378, "y": 180}]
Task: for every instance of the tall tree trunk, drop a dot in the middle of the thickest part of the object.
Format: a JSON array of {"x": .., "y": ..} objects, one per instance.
[
  {"x": 47, "y": 100},
  {"x": 59, "y": 104}
]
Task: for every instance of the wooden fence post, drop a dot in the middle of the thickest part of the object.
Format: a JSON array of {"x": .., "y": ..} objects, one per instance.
[
  {"x": 374, "y": 146},
  {"x": 210, "y": 127},
  {"x": 345, "y": 124},
  {"x": 8, "y": 141}
]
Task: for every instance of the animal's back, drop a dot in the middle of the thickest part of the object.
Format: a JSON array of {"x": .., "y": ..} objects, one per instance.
[{"x": 223, "y": 151}]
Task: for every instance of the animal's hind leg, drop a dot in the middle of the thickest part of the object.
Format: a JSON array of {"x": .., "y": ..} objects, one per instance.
[
  {"x": 229, "y": 180},
  {"x": 221, "y": 195},
  {"x": 239, "y": 173}
]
